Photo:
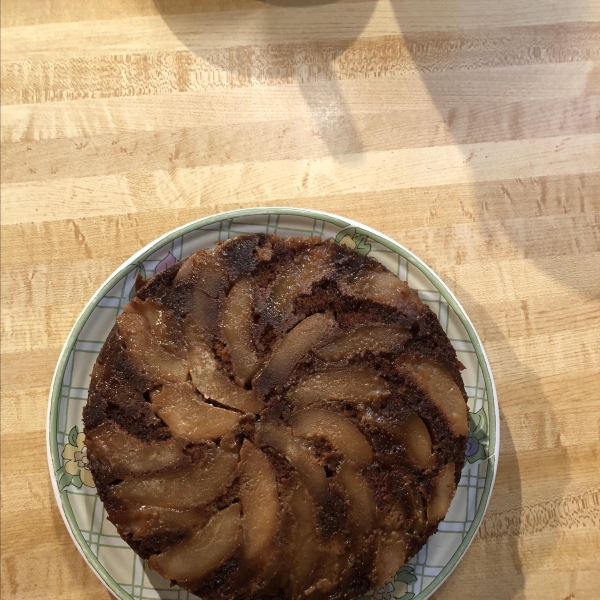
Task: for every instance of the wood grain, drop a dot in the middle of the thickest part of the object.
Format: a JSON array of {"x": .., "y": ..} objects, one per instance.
[{"x": 468, "y": 131}]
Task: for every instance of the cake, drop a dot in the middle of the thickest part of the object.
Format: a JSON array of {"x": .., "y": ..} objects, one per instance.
[{"x": 276, "y": 418}]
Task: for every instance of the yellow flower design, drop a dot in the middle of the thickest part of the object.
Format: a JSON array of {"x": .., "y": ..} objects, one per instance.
[
  {"x": 348, "y": 241},
  {"x": 353, "y": 238},
  {"x": 76, "y": 460}
]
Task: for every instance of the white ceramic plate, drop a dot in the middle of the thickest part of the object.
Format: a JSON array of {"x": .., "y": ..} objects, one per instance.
[{"x": 108, "y": 555}]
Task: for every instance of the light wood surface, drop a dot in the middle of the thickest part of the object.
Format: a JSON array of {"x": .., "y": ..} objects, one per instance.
[{"x": 469, "y": 131}]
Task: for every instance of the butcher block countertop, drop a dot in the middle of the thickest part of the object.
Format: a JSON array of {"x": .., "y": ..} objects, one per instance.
[{"x": 467, "y": 130}]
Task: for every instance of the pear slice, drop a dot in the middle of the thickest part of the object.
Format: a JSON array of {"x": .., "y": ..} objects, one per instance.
[
  {"x": 297, "y": 452},
  {"x": 443, "y": 391},
  {"x": 381, "y": 286},
  {"x": 206, "y": 311},
  {"x": 334, "y": 562},
  {"x": 361, "y": 504},
  {"x": 208, "y": 271},
  {"x": 260, "y": 502},
  {"x": 292, "y": 349},
  {"x": 390, "y": 556},
  {"x": 412, "y": 434},
  {"x": 339, "y": 431},
  {"x": 308, "y": 268},
  {"x": 375, "y": 338},
  {"x": 443, "y": 492},
  {"x": 238, "y": 318},
  {"x": 143, "y": 521},
  {"x": 164, "y": 325},
  {"x": 145, "y": 350},
  {"x": 189, "y": 416},
  {"x": 208, "y": 378},
  {"x": 348, "y": 385},
  {"x": 184, "y": 488},
  {"x": 419, "y": 522},
  {"x": 127, "y": 454},
  {"x": 202, "y": 553},
  {"x": 305, "y": 543}
]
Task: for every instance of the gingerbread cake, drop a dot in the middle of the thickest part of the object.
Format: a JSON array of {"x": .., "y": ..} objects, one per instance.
[{"x": 276, "y": 418}]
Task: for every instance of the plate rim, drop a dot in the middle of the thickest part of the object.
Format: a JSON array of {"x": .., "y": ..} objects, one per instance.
[{"x": 129, "y": 264}]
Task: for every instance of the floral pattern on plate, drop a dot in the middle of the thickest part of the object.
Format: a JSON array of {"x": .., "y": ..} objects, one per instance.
[{"x": 75, "y": 470}]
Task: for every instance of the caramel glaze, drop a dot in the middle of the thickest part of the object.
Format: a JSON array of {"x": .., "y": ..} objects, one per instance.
[{"x": 276, "y": 418}]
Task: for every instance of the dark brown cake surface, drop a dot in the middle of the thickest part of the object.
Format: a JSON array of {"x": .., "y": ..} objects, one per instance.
[{"x": 276, "y": 418}]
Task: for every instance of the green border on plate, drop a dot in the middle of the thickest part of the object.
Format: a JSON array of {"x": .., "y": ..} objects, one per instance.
[{"x": 144, "y": 253}]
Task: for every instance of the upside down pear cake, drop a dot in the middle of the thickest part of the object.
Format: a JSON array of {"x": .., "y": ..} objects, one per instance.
[{"x": 276, "y": 418}]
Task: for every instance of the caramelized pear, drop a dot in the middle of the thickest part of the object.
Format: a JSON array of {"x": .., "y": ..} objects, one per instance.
[
  {"x": 381, "y": 286},
  {"x": 374, "y": 338},
  {"x": 361, "y": 504},
  {"x": 238, "y": 318},
  {"x": 292, "y": 349},
  {"x": 348, "y": 385},
  {"x": 412, "y": 434},
  {"x": 202, "y": 553},
  {"x": 260, "y": 502},
  {"x": 419, "y": 521},
  {"x": 164, "y": 325},
  {"x": 442, "y": 495},
  {"x": 334, "y": 561},
  {"x": 190, "y": 487},
  {"x": 305, "y": 542},
  {"x": 444, "y": 392},
  {"x": 188, "y": 415},
  {"x": 142, "y": 521},
  {"x": 208, "y": 378},
  {"x": 206, "y": 311},
  {"x": 207, "y": 270},
  {"x": 308, "y": 268},
  {"x": 297, "y": 452},
  {"x": 389, "y": 557},
  {"x": 339, "y": 431},
  {"x": 145, "y": 350},
  {"x": 127, "y": 454}
]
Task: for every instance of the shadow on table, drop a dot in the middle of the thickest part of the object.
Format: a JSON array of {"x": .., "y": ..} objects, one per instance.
[
  {"x": 493, "y": 564},
  {"x": 499, "y": 72},
  {"x": 271, "y": 55}
]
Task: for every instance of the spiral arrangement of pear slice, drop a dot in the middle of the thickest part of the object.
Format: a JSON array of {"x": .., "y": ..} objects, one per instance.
[{"x": 278, "y": 418}]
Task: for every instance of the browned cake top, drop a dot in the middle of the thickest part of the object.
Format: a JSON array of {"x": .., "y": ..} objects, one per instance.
[{"x": 276, "y": 418}]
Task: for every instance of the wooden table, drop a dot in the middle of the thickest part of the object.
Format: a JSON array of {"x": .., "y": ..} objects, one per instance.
[{"x": 466, "y": 130}]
